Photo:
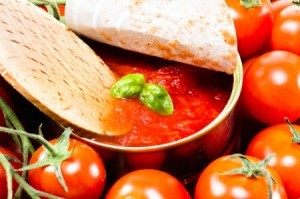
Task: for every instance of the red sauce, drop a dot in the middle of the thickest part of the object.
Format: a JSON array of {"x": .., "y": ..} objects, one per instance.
[{"x": 198, "y": 95}]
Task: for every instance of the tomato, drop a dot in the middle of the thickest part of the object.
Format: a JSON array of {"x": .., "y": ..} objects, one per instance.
[
  {"x": 214, "y": 183},
  {"x": 278, "y": 139},
  {"x": 253, "y": 26},
  {"x": 247, "y": 63},
  {"x": 286, "y": 30},
  {"x": 279, "y": 5},
  {"x": 3, "y": 181},
  {"x": 271, "y": 88},
  {"x": 147, "y": 184},
  {"x": 84, "y": 173}
]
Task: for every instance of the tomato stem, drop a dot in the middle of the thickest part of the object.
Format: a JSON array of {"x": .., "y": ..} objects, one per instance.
[
  {"x": 23, "y": 143},
  {"x": 7, "y": 167},
  {"x": 32, "y": 192},
  {"x": 55, "y": 154},
  {"x": 10, "y": 174},
  {"x": 52, "y": 7},
  {"x": 296, "y": 134},
  {"x": 251, "y": 170},
  {"x": 296, "y": 2},
  {"x": 250, "y": 3}
]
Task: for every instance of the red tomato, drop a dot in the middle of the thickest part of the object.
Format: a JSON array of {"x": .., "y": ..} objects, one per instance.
[
  {"x": 3, "y": 181},
  {"x": 247, "y": 63},
  {"x": 84, "y": 173},
  {"x": 279, "y": 5},
  {"x": 253, "y": 25},
  {"x": 286, "y": 30},
  {"x": 271, "y": 88},
  {"x": 278, "y": 139},
  {"x": 212, "y": 183},
  {"x": 147, "y": 184}
]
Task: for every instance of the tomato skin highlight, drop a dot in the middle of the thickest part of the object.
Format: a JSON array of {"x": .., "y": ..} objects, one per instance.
[
  {"x": 3, "y": 182},
  {"x": 147, "y": 184},
  {"x": 286, "y": 30},
  {"x": 84, "y": 173},
  {"x": 278, "y": 139},
  {"x": 271, "y": 89},
  {"x": 253, "y": 26},
  {"x": 278, "y": 6},
  {"x": 212, "y": 184}
]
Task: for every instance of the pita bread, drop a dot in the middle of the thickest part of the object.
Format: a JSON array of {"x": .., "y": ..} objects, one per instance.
[{"x": 196, "y": 32}]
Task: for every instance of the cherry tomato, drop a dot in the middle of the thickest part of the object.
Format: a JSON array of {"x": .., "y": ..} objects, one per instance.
[
  {"x": 279, "y": 5},
  {"x": 247, "y": 63},
  {"x": 278, "y": 139},
  {"x": 3, "y": 181},
  {"x": 214, "y": 183},
  {"x": 147, "y": 184},
  {"x": 253, "y": 25},
  {"x": 271, "y": 88},
  {"x": 286, "y": 30},
  {"x": 84, "y": 173}
]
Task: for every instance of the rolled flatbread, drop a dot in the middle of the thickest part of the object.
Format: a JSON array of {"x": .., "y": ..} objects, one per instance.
[{"x": 195, "y": 32}]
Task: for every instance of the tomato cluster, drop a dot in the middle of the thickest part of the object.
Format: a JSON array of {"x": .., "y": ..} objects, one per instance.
[
  {"x": 269, "y": 104},
  {"x": 269, "y": 160}
]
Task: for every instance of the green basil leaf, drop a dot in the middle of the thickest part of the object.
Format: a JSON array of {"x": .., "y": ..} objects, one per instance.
[
  {"x": 157, "y": 99},
  {"x": 128, "y": 86}
]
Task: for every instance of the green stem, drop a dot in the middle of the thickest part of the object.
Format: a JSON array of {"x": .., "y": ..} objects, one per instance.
[
  {"x": 254, "y": 170},
  {"x": 47, "y": 2},
  {"x": 7, "y": 167},
  {"x": 296, "y": 2},
  {"x": 23, "y": 143},
  {"x": 32, "y": 192},
  {"x": 13, "y": 121},
  {"x": 296, "y": 134},
  {"x": 35, "y": 137},
  {"x": 51, "y": 5},
  {"x": 250, "y": 3}
]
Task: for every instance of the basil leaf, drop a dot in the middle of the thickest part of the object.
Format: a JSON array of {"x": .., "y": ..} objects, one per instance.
[
  {"x": 128, "y": 86},
  {"x": 157, "y": 99}
]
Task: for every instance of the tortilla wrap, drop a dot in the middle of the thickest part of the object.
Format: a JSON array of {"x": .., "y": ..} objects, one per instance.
[{"x": 195, "y": 32}]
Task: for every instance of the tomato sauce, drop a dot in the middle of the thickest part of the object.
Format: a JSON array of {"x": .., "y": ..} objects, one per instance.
[{"x": 198, "y": 95}]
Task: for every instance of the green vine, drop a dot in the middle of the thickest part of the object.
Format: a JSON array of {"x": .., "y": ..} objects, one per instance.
[
  {"x": 52, "y": 7},
  {"x": 25, "y": 145},
  {"x": 250, "y": 3}
]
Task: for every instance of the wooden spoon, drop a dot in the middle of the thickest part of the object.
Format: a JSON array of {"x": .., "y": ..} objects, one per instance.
[{"x": 53, "y": 68}]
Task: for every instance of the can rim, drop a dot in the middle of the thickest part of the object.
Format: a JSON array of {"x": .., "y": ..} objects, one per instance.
[{"x": 229, "y": 107}]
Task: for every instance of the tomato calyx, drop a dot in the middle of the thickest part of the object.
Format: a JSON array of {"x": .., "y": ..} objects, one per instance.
[
  {"x": 54, "y": 154},
  {"x": 253, "y": 170},
  {"x": 250, "y": 3},
  {"x": 296, "y": 134}
]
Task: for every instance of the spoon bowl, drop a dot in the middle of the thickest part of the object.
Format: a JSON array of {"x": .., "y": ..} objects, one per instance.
[{"x": 53, "y": 68}]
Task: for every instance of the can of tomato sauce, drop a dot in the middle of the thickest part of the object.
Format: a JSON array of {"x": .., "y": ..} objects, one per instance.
[{"x": 181, "y": 143}]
